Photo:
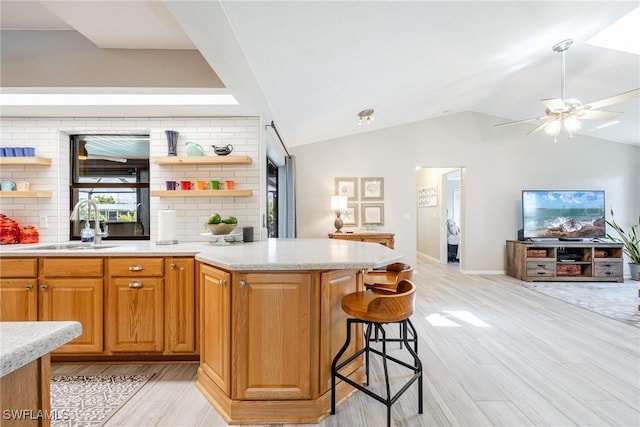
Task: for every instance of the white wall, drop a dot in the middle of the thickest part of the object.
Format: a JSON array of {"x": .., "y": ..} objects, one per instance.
[
  {"x": 50, "y": 136},
  {"x": 499, "y": 163}
]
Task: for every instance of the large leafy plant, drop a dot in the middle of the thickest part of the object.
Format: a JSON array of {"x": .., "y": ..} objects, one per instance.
[{"x": 630, "y": 239}]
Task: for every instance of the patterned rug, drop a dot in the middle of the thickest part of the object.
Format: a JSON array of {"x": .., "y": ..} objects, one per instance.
[
  {"x": 618, "y": 301},
  {"x": 90, "y": 400}
]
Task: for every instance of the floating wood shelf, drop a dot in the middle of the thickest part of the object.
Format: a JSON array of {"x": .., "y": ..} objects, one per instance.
[
  {"x": 43, "y": 161},
  {"x": 201, "y": 193},
  {"x": 202, "y": 160},
  {"x": 25, "y": 194}
]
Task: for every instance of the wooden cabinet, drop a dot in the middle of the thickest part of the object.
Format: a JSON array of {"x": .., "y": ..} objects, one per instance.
[
  {"x": 271, "y": 340},
  {"x": 72, "y": 289},
  {"x": 135, "y": 305},
  {"x": 386, "y": 239},
  {"x": 18, "y": 290},
  {"x": 268, "y": 340},
  {"x": 181, "y": 313},
  {"x": 215, "y": 350},
  {"x": 564, "y": 261}
]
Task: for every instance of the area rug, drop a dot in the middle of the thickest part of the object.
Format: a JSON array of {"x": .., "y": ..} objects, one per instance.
[
  {"x": 618, "y": 301},
  {"x": 90, "y": 400}
]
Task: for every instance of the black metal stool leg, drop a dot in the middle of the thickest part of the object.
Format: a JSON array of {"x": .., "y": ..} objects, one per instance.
[
  {"x": 417, "y": 363},
  {"x": 335, "y": 363}
]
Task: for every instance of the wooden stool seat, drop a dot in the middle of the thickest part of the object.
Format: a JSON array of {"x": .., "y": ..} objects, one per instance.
[
  {"x": 375, "y": 308},
  {"x": 381, "y": 307}
]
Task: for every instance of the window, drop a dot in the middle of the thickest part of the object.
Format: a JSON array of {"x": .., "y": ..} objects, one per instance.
[{"x": 112, "y": 171}]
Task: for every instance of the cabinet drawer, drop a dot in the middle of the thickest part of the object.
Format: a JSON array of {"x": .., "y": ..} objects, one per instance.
[
  {"x": 541, "y": 268},
  {"x": 72, "y": 267},
  {"x": 18, "y": 267},
  {"x": 132, "y": 267},
  {"x": 608, "y": 268}
]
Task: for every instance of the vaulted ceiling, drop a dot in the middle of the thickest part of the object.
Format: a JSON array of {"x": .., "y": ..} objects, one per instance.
[{"x": 311, "y": 66}]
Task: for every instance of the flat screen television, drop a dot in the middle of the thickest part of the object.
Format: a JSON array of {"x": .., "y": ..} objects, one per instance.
[{"x": 566, "y": 214}]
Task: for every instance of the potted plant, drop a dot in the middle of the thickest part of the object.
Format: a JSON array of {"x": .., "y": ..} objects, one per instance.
[{"x": 631, "y": 242}]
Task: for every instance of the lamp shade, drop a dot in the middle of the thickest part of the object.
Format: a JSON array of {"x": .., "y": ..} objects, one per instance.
[{"x": 338, "y": 203}]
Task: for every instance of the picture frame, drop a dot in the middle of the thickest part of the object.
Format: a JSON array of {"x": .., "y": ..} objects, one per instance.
[
  {"x": 350, "y": 216},
  {"x": 428, "y": 196},
  {"x": 347, "y": 187},
  {"x": 372, "y": 188},
  {"x": 372, "y": 214}
]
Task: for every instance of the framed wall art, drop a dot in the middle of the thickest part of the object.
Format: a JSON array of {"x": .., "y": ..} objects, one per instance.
[
  {"x": 428, "y": 196},
  {"x": 350, "y": 216},
  {"x": 372, "y": 214},
  {"x": 347, "y": 187},
  {"x": 372, "y": 188}
]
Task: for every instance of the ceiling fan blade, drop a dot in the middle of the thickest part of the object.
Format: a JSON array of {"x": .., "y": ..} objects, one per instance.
[
  {"x": 555, "y": 104},
  {"x": 616, "y": 99},
  {"x": 520, "y": 121},
  {"x": 539, "y": 128},
  {"x": 598, "y": 115},
  {"x": 108, "y": 158}
]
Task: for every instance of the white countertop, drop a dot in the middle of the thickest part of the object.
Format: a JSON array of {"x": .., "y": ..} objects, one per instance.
[
  {"x": 23, "y": 342},
  {"x": 299, "y": 254},
  {"x": 271, "y": 254}
]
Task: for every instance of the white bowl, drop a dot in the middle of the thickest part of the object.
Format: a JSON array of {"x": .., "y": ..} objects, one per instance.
[{"x": 221, "y": 228}]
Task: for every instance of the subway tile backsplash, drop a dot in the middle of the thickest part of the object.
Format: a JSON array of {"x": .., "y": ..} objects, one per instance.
[{"x": 50, "y": 136}]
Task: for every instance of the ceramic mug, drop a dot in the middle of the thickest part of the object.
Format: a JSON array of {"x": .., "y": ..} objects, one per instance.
[
  {"x": 8, "y": 186},
  {"x": 201, "y": 185},
  {"x": 185, "y": 185},
  {"x": 22, "y": 185},
  {"x": 228, "y": 185},
  {"x": 171, "y": 185},
  {"x": 214, "y": 185}
]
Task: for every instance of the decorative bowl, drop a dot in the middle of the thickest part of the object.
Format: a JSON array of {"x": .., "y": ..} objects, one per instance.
[
  {"x": 222, "y": 228},
  {"x": 222, "y": 151}
]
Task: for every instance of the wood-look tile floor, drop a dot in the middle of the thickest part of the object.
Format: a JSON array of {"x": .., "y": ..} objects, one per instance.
[{"x": 503, "y": 355}]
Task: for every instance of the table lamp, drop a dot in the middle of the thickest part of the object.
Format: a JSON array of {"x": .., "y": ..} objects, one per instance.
[{"x": 338, "y": 204}]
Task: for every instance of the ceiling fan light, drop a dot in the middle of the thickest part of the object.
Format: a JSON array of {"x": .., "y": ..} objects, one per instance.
[
  {"x": 553, "y": 127},
  {"x": 572, "y": 124}
]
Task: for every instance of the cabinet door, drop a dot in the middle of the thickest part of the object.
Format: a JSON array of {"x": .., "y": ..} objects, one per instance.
[
  {"x": 18, "y": 300},
  {"x": 215, "y": 349},
  {"x": 272, "y": 336},
  {"x": 334, "y": 286},
  {"x": 74, "y": 299},
  {"x": 135, "y": 314},
  {"x": 180, "y": 306}
]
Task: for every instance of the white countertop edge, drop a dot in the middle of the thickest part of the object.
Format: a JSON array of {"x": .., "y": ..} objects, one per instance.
[{"x": 23, "y": 342}]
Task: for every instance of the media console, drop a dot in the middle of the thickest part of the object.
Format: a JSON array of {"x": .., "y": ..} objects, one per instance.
[{"x": 558, "y": 261}]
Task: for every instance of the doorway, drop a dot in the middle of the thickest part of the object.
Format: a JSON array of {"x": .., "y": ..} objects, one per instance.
[{"x": 440, "y": 215}]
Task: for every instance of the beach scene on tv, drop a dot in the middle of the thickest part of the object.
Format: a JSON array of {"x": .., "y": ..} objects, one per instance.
[{"x": 567, "y": 214}]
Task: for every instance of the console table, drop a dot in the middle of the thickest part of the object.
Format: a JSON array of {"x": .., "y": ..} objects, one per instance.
[
  {"x": 382, "y": 238},
  {"x": 557, "y": 261}
]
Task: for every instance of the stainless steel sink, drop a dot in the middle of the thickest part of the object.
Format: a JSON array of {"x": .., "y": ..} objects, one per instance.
[{"x": 71, "y": 247}]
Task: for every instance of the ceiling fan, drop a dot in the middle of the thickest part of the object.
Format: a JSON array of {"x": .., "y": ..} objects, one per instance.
[{"x": 568, "y": 112}]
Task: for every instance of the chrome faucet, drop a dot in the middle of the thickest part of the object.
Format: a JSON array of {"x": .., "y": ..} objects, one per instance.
[{"x": 75, "y": 214}]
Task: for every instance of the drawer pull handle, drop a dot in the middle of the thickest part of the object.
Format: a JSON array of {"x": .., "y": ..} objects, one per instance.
[
  {"x": 135, "y": 268},
  {"x": 135, "y": 285},
  {"x": 222, "y": 282},
  {"x": 608, "y": 273},
  {"x": 541, "y": 272},
  {"x": 542, "y": 266},
  {"x": 608, "y": 265},
  {"x": 43, "y": 287},
  {"x": 28, "y": 287},
  {"x": 242, "y": 283},
  {"x": 172, "y": 266}
]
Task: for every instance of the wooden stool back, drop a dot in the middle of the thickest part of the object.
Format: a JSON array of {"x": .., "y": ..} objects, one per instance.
[
  {"x": 389, "y": 279},
  {"x": 382, "y": 307}
]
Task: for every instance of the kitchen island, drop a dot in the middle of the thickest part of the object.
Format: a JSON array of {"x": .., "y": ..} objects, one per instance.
[
  {"x": 25, "y": 369},
  {"x": 272, "y": 321}
]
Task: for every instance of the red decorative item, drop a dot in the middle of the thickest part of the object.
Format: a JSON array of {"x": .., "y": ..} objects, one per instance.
[
  {"x": 9, "y": 231},
  {"x": 29, "y": 234}
]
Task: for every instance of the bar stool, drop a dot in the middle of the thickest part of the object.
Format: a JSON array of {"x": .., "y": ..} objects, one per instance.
[
  {"x": 374, "y": 309},
  {"x": 388, "y": 280}
]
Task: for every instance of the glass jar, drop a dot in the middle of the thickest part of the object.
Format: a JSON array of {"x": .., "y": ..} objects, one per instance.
[
  {"x": 29, "y": 234},
  {"x": 9, "y": 231}
]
